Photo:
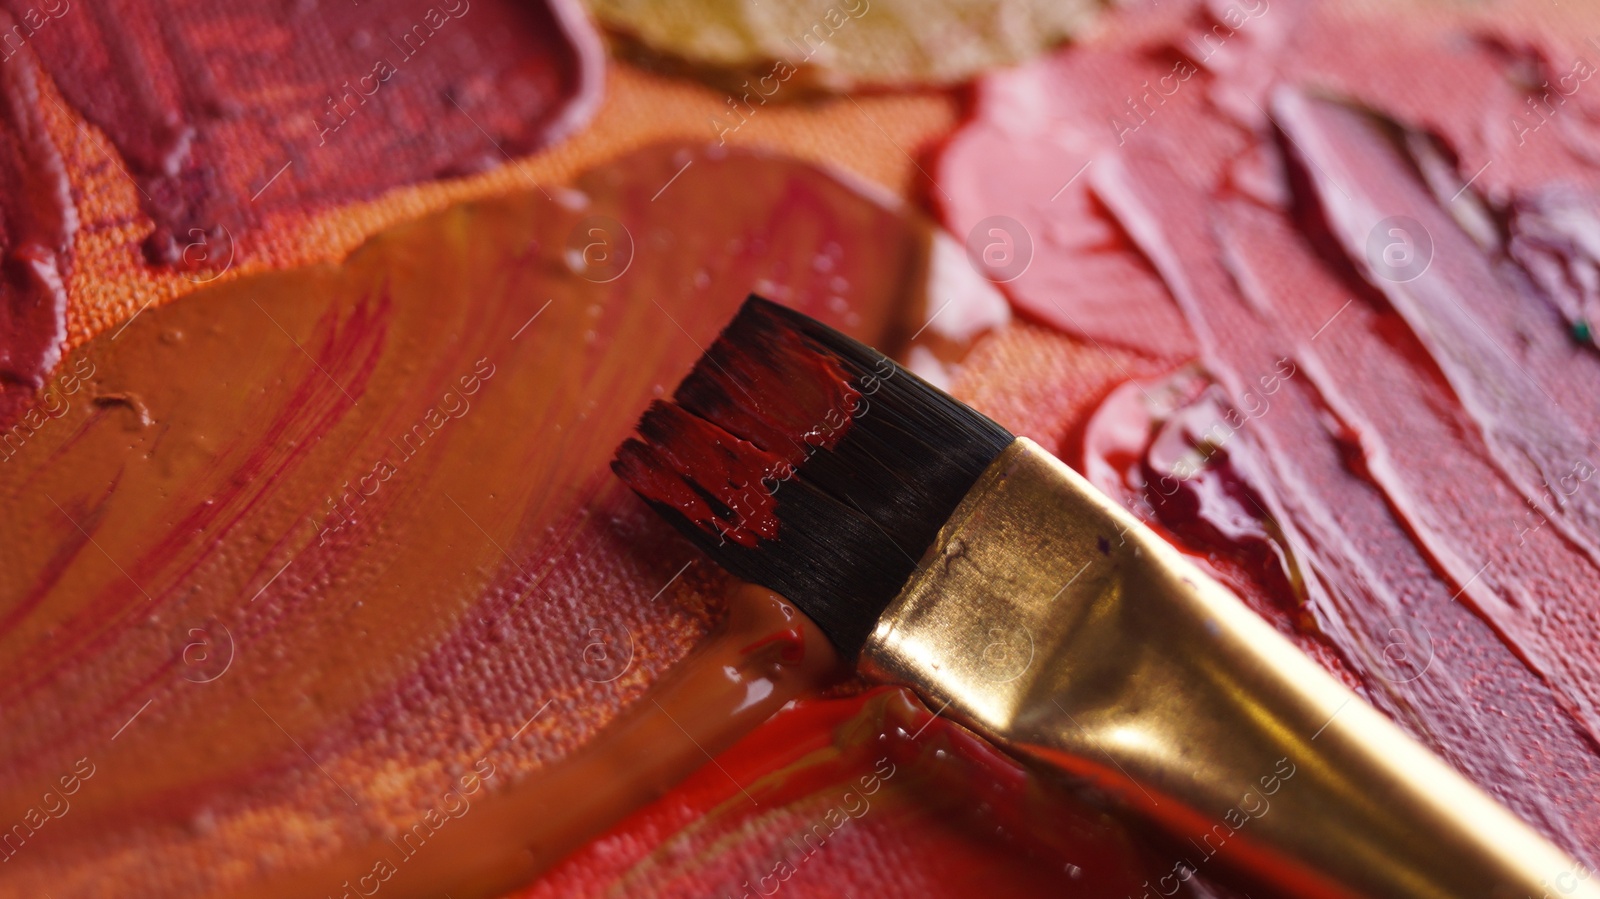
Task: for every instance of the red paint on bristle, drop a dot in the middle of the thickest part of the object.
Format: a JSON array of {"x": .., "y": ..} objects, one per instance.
[
  {"x": 696, "y": 467},
  {"x": 768, "y": 401}
]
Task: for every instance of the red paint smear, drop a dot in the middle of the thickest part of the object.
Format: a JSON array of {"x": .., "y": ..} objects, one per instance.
[
  {"x": 866, "y": 793},
  {"x": 1413, "y": 505},
  {"x": 224, "y": 117},
  {"x": 37, "y": 223},
  {"x": 1364, "y": 575},
  {"x": 1504, "y": 351},
  {"x": 1028, "y": 154}
]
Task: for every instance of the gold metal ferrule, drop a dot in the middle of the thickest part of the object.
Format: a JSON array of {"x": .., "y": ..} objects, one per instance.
[{"x": 1049, "y": 620}]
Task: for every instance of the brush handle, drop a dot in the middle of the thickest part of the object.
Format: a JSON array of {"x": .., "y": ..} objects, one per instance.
[{"x": 1051, "y": 621}]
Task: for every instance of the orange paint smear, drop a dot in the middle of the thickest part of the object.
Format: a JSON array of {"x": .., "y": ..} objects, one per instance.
[
  {"x": 290, "y": 559},
  {"x": 760, "y": 658}
]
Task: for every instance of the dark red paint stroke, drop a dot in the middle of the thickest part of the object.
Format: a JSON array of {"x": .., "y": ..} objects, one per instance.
[
  {"x": 226, "y": 116},
  {"x": 1506, "y": 353},
  {"x": 1473, "y": 705},
  {"x": 37, "y": 224}
]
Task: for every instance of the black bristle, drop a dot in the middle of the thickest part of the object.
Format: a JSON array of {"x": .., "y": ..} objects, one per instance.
[{"x": 853, "y": 518}]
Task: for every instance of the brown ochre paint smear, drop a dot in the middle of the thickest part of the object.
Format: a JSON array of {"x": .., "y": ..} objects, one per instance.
[{"x": 304, "y": 561}]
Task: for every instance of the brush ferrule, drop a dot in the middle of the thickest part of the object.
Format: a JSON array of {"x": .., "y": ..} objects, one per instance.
[{"x": 1051, "y": 621}]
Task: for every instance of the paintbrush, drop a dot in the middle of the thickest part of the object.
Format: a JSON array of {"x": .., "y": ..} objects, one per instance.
[{"x": 941, "y": 552}]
